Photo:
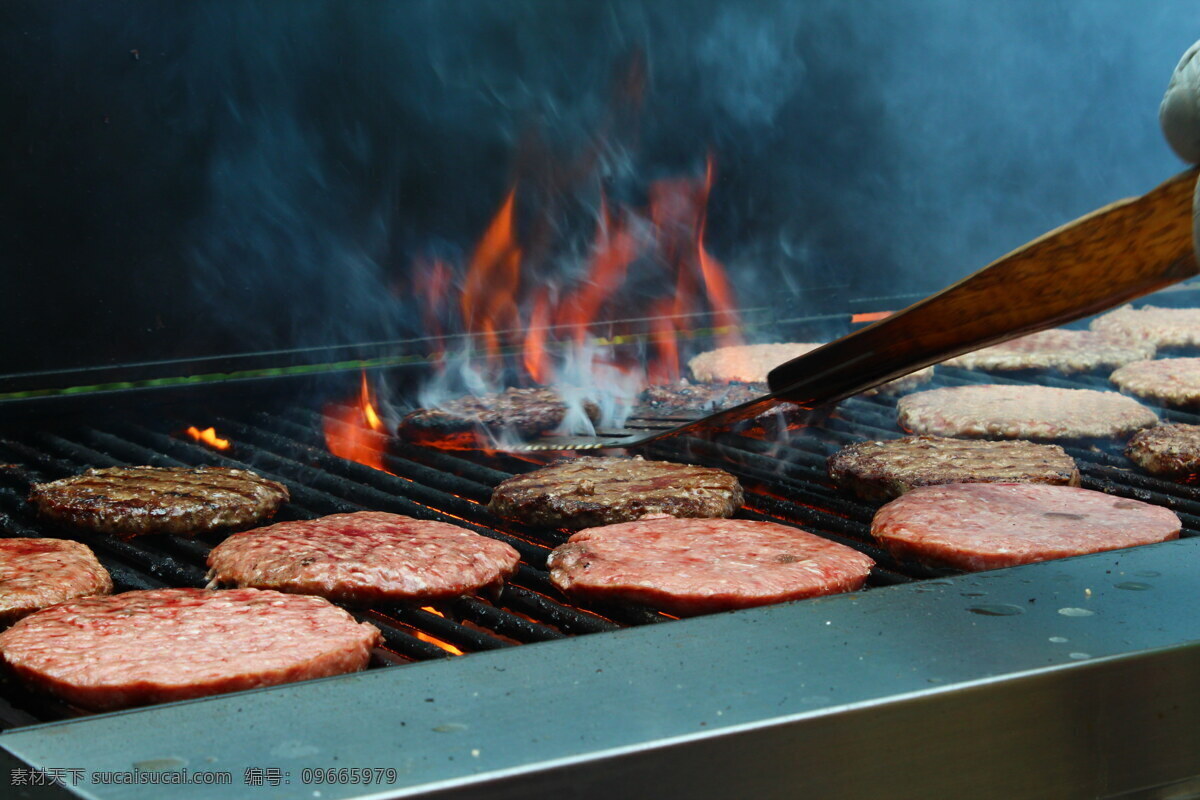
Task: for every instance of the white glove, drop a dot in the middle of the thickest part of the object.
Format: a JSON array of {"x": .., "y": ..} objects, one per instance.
[
  {"x": 1179, "y": 116},
  {"x": 1179, "y": 113}
]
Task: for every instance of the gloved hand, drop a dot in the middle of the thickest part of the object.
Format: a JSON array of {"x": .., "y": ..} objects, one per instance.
[
  {"x": 1179, "y": 113},
  {"x": 1179, "y": 116}
]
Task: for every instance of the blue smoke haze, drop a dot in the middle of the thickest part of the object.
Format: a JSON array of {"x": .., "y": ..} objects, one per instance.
[{"x": 206, "y": 178}]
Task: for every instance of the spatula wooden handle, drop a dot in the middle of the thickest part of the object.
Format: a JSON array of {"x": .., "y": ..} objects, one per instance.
[{"x": 1112, "y": 255}]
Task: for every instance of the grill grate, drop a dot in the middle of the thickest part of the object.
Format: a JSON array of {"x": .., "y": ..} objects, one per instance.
[{"x": 784, "y": 481}]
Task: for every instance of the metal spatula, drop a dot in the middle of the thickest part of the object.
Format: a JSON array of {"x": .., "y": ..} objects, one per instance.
[{"x": 1114, "y": 254}]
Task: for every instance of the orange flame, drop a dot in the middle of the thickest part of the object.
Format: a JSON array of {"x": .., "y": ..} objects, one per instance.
[
  {"x": 425, "y": 637},
  {"x": 668, "y": 236},
  {"x": 716, "y": 281},
  {"x": 208, "y": 436},
  {"x": 664, "y": 368},
  {"x": 489, "y": 296},
  {"x": 355, "y": 433},
  {"x": 432, "y": 285},
  {"x": 613, "y": 251},
  {"x": 537, "y": 364}
]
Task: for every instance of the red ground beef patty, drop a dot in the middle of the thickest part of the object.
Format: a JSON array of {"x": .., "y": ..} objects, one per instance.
[
  {"x": 36, "y": 573},
  {"x": 698, "y": 566},
  {"x": 366, "y": 557},
  {"x": 137, "y": 648},
  {"x": 977, "y": 526}
]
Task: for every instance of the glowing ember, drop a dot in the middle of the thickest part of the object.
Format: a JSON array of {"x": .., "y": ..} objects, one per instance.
[
  {"x": 425, "y": 637},
  {"x": 208, "y": 436},
  {"x": 356, "y": 432}
]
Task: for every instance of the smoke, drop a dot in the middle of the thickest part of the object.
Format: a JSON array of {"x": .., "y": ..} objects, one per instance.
[{"x": 240, "y": 176}]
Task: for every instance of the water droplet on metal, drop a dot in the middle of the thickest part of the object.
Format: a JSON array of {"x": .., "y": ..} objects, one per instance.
[
  {"x": 1133, "y": 586},
  {"x": 1079, "y": 656},
  {"x": 1075, "y": 612},
  {"x": 996, "y": 610},
  {"x": 1059, "y": 639}
]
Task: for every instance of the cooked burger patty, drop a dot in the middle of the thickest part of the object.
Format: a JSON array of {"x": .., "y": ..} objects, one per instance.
[
  {"x": 685, "y": 397},
  {"x": 1062, "y": 350},
  {"x": 36, "y": 573},
  {"x": 365, "y": 557},
  {"x": 1171, "y": 450},
  {"x": 882, "y": 470},
  {"x": 1171, "y": 381},
  {"x": 976, "y": 526},
  {"x": 136, "y": 648},
  {"x": 690, "y": 566},
  {"x": 1165, "y": 327},
  {"x": 700, "y": 399},
  {"x": 132, "y": 501},
  {"x": 1022, "y": 412},
  {"x": 750, "y": 363},
  {"x": 589, "y": 491},
  {"x": 525, "y": 412}
]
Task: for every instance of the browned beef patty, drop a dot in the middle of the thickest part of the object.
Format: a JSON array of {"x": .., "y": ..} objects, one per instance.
[
  {"x": 685, "y": 397},
  {"x": 699, "y": 566},
  {"x": 1062, "y": 350},
  {"x": 700, "y": 399},
  {"x": 133, "y": 501},
  {"x": 590, "y": 491},
  {"x": 1170, "y": 450},
  {"x": 36, "y": 573},
  {"x": 1170, "y": 381},
  {"x": 365, "y": 557},
  {"x": 880, "y": 471},
  {"x": 975, "y": 526},
  {"x": 524, "y": 412},
  {"x": 1165, "y": 327},
  {"x": 994, "y": 411},
  {"x": 137, "y": 648}
]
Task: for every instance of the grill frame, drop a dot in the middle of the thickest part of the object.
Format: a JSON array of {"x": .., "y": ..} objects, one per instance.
[{"x": 667, "y": 746}]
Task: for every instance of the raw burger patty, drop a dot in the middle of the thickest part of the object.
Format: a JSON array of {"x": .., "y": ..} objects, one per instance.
[
  {"x": 1171, "y": 381},
  {"x": 692, "y": 566},
  {"x": 1171, "y": 450},
  {"x": 589, "y": 491},
  {"x": 1022, "y": 412},
  {"x": 883, "y": 470},
  {"x": 136, "y": 648},
  {"x": 750, "y": 363},
  {"x": 132, "y": 501},
  {"x": 526, "y": 412},
  {"x": 976, "y": 526},
  {"x": 1062, "y": 350},
  {"x": 365, "y": 557},
  {"x": 36, "y": 573},
  {"x": 1165, "y": 327}
]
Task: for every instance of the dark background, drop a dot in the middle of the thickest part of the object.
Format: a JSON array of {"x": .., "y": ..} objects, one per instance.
[{"x": 187, "y": 179}]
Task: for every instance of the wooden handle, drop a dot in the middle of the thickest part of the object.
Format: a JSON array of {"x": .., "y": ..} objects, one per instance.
[{"x": 1112, "y": 255}]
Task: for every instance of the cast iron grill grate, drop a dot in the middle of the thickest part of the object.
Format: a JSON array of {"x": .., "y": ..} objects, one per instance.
[{"x": 784, "y": 481}]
